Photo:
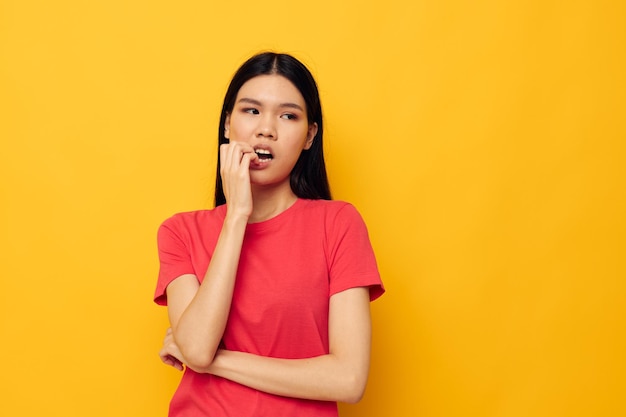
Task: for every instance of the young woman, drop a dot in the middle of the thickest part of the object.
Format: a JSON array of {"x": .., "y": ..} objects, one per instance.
[{"x": 268, "y": 293}]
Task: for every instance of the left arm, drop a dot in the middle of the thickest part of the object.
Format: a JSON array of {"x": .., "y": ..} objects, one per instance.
[{"x": 340, "y": 375}]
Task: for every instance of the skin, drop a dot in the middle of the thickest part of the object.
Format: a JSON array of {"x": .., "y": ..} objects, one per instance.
[{"x": 269, "y": 112}]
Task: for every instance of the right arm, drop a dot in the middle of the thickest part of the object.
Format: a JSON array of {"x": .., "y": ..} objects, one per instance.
[{"x": 198, "y": 312}]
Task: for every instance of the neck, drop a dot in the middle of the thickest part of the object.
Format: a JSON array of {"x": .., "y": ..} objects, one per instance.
[{"x": 269, "y": 202}]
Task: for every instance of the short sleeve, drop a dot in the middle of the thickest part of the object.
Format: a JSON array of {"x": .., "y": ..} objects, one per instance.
[
  {"x": 351, "y": 258},
  {"x": 174, "y": 257}
]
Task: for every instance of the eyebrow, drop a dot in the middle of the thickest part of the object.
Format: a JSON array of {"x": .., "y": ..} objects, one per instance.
[{"x": 258, "y": 103}]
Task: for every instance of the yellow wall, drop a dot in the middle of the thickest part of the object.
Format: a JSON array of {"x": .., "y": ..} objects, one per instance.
[{"x": 482, "y": 141}]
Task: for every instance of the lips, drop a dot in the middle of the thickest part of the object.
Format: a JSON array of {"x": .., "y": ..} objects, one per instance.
[{"x": 263, "y": 154}]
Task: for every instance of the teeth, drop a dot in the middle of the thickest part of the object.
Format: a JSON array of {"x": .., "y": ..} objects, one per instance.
[{"x": 262, "y": 151}]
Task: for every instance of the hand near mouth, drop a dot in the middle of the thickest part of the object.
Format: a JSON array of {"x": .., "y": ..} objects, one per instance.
[{"x": 235, "y": 159}]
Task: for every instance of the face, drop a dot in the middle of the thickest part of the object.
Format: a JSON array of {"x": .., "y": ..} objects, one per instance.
[{"x": 270, "y": 115}]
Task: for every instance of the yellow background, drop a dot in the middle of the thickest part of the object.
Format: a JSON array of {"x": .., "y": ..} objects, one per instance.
[{"x": 483, "y": 142}]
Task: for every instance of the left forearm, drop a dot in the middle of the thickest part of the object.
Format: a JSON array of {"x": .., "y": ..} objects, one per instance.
[{"x": 326, "y": 377}]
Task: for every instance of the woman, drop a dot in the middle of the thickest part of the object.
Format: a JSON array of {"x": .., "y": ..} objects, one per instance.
[{"x": 268, "y": 293}]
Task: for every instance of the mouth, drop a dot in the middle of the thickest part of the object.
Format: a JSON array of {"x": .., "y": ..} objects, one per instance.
[{"x": 264, "y": 154}]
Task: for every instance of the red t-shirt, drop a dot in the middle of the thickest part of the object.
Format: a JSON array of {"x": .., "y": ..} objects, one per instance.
[{"x": 290, "y": 266}]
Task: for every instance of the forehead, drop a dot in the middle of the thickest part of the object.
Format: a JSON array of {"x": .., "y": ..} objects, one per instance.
[{"x": 270, "y": 89}]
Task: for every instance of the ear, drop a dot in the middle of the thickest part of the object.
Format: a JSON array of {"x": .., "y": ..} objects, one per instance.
[
  {"x": 227, "y": 126},
  {"x": 310, "y": 136}
]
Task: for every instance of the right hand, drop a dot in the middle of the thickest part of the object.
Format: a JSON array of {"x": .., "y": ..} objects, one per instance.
[{"x": 235, "y": 158}]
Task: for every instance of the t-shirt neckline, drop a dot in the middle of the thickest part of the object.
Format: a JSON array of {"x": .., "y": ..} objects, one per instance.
[{"x": 276, "y": 221}]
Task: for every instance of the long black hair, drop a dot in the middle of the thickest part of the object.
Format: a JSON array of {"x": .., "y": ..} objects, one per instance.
[{"x": 308, "y": 178}]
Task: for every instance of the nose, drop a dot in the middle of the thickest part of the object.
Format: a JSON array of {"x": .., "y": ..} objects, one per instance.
[{"x": 266, "y": 127}]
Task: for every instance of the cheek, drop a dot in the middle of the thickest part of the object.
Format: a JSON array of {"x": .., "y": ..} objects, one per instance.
[
  {"x": 296, "y": 150},
  {"x": 298, "y": 135},
  {"x": 240, "y": 129}
]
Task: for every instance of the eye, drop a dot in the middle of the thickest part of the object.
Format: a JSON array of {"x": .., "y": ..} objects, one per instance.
[
  {"x": 250, "y": 110},
  {"x": 289, "y": 116}
]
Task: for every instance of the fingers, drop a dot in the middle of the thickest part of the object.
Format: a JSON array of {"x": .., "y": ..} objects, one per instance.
[
  {"x": 169, "y": 350},
  {"x": 172, "y": 361},
  {"x": 169, "y": 336},
  {"x": 236, "y": 156},
  {"x": 175, "y": 363},
  {"x": 235, "y": 159}
]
